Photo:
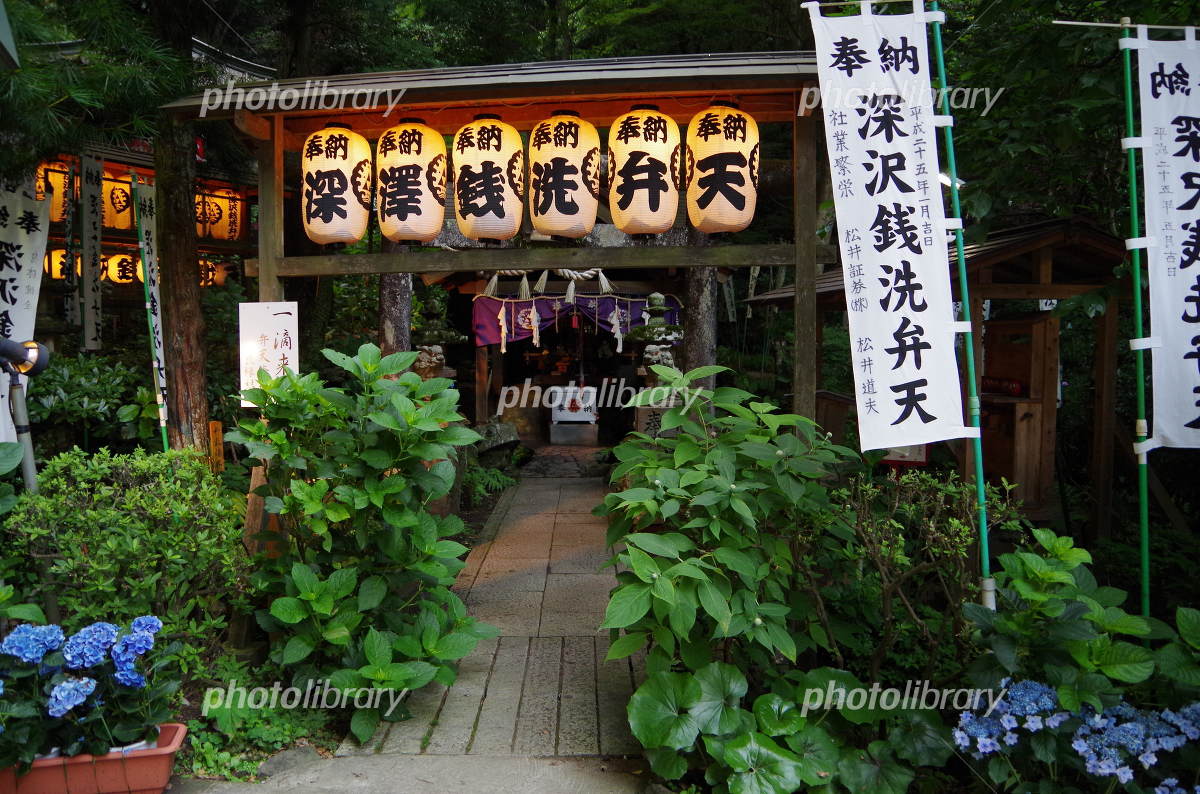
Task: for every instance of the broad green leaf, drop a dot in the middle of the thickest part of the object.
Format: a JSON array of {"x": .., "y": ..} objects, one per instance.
[
  {"x": 739, "y": 562},
  {"x": 874, "y": 770},
  {"x": 714, "y": 603},
  {"x": 342, "y": 582},
  {"x": 921, "y": 738},
  {"x": 722, "y": 687},
  {"x": 626, "y": 645},
  {"x": 761, "y": 766},
  {"x": 643, "y": 564},
  {"x": 297, "y": 649},
  {"x": 667, "y": 763},
  {"x": 289, "y": 610},
  {"x": 1126, "y": 662},
  {"x": 1178, "y": 663},
  {"x": 655, "y": 544},
  {"x": 627, "y": 606},
  {"x": 306, "y": 581},
  {"x": 776, "y": 716},
  {"x": 363, "y": 724},
  {"x": 1187, "y": 620},
  {"x": 10, "y": 455},
  {"x": 30, "y": 613},
  {"x": 817, "y": 752},
  {"x": 371, "y": 593},
  {"x": 455, "y": 645},
  {"x": 378, "y": 648},
  {"x": 658, "y": 711}
]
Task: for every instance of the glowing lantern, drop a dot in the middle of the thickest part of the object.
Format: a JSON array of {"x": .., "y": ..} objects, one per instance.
[
  {"x": 337, "y": 185},
  {"x": 55, "y": 264},
  {"x": 644, "y": 171},
  {"x": 489, "y": 182},
  {"x": 213, "y": 274},
  {"x": 219, "y": 214},
  {"x": 123, "y": 268},
  {"x": 564, "y": 166},
  {"x": 722, "y": 190},
  {"x": 116, "y": 196},
  {"x": 55, "y": 173},
  {"x": 410, "y": 174}
]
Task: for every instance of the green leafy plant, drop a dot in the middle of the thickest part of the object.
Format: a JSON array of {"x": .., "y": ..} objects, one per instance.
[
  {"x": 1179, "y": 660},
  {"x": 79, "y": 397},
  {"x": 139, "y": 419},
  {"x": 479, "y": 482},
  {"x": 360, "y": 574}
]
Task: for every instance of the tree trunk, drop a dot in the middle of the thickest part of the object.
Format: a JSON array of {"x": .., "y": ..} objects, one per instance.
[
  {"x": 395, "y": 308},
  {"x": 700, "y": 321}
]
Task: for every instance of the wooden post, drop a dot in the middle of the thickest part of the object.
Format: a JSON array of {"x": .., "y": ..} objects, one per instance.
[
  {"x": 804, "y": 228},
  {"x": 216, "y": 446},
  {"x": 1103, "y": 417},
  {"x": 270, "y": 213},
  {"x": 481, "y": 384}
]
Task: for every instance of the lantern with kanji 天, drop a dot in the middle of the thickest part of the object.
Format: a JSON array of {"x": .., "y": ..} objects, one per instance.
[
  {"x": 410, "y": 175},
  {"x": 564, "y": 168},
  {"x": 55, "y": 173},
  {"x": 123, "y": 268},
  {"x": 644, "y": 171},
  {"x": 116, "y": 196},
  {"x": 337, "y": 182},
  {"x": 55, "y": 264},
  {"x": 723, "y": 166},
  {"x": 489, "y": 179}
]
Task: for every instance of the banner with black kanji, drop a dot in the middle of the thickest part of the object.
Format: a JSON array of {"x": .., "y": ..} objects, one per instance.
[
  {"x": 891, "y": 227},
  {"x": 1169, "y": 78},
  {"x": 24, "y": 222},
  {"x": 143, "y": 199}
]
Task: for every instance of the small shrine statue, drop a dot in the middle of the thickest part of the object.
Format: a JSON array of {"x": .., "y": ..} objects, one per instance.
[
  {"x": 658, "y": 354},
  {"x": 430, "y": 361}
]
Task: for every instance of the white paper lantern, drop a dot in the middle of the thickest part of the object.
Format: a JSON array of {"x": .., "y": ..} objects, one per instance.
[
  {"x": 410, "y": 175},
  {"x": 123, "y": 268},
  {"x": 116, "y": 196},
  {"x": 723, "y": 166},
  {"x": 54, "y": 264},
  {"x": 489, "y": 179},
  {"x": 337, "y": 182},
  {"x": 644, "y": 171},
  {"x": 565, "y": 175}
]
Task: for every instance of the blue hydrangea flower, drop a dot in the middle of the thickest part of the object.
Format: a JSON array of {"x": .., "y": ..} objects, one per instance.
[
  {"x": 130, "y": 647},
  {"x": 1008, "y": 721},
  {"x": 1031, "y": 697},
  {"x": 130, "y": 678},
  {"x": 90, "y": 646},
  {"x": 1056, "y": 719},
  {"x": 148, "y": 624},
  {"x": 30, "y": 643},
  {"x": 69, "y": 694},
  {"x": 1, "y": 686}
]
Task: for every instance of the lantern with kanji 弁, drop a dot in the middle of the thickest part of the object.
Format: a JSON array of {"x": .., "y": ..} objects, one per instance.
[
  {"x": 213, "y": 274},
  {"x": 489, "y": 179},
  {"x": 564, "y": 168},
  {"x": 123, "y": 268},
  {"x": 336, "y": 185},
  {"x": 410, "y": 175},
  {"x": 55, "y": 264},
  {"x": 116, "y": 196},
  {"x": 645, "y": 171},
  {"x": 723, "y": 165},
  {"x": 219, "y": 214},
  {"x": 53, "y": 174}
]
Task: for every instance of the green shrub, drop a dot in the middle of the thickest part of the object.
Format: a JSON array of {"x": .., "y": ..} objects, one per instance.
[
  {"x": 479, "y": 482},
  {"x": 129, "y": 535},
  {"x": 75, "y": 401}
]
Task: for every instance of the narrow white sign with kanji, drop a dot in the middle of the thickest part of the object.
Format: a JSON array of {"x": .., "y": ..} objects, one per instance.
[{"x": 24, "y": 222}]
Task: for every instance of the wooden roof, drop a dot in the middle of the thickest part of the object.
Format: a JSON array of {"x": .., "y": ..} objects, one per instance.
[{"x": 763, "y": 83}]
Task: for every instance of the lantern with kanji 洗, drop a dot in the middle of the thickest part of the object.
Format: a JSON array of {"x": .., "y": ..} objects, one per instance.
[
  {"x": 410, "y": 175},
  {"x": 489, "y": 179},
  {"x": 564, "y": 169},
  {"x": 124, "y": 268},
  {"x": 723, "y": 165},
  {"x": 116, "y": 195},
  {"x": 219, "y": 214},
  {"x": 55, "y": 264},
  {"x": 336, "y": 185},
  {"x": 213, "y": 274},
  {"x": 54, "y": 175},
  {"x": 644, "y": 171}
]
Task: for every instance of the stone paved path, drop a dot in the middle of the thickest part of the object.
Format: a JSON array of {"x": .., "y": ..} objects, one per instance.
[{"x": 565, "y": 461}]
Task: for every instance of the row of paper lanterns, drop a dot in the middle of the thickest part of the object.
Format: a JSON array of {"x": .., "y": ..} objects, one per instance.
[
  {"x": 220, "y": 212},
  {"x": 126, "y": 268},
  {"x": 715, "y": 168}
]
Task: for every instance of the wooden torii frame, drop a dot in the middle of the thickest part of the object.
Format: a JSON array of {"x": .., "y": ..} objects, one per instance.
[{"x": 771, "y": 87}]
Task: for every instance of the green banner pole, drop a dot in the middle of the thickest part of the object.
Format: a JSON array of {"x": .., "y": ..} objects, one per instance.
[
  {"x": 989, "y": 585},
  {"x": 137, "y": 215},
  {"x": 1142, "y": 430}
]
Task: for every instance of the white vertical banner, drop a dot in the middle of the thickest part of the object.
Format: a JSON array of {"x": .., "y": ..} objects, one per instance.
[
  {"x": 879, "y": 126},
  {"x": 143, "y": 207},
  {"x": 24, "y": 223},
  {"x": 267, "y": 334},
  {"x": 1169, "y": 83},
  {"x": 91, "y": 206}
]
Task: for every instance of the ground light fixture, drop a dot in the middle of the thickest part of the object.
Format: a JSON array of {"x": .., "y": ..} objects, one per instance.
[{"x": 17, "y": 359}]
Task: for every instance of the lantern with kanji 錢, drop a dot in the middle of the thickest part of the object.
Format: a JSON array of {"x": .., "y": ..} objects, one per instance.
[
  {"x": 644, "y": 171},
  {"x": 564, "y": 169},
  {"x": 123, "y": 268},
  {"x": 722, "y": 172},
  {"x": 489, "y": 179},
  {"x": 410, "y": 175},
  {"x": 55, "y": 264},
  {"x": 116, "y": 196},
  {"x": 337, "y": 182}
]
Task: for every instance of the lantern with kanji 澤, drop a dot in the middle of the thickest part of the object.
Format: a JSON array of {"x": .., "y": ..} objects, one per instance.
[
  {"x": 123, "y": 268},
  {"x": 564, "y": 170},
  {"x": 644, "y": 171},
  {"x": 116, "y": 196},
  {"x": 55, "y": 264},
  {"x": 723, "y": 165},
  {"x": 336, "y": 185},
  {"x": 489, "y": 179},
  {"x": 410, "y": 175}
]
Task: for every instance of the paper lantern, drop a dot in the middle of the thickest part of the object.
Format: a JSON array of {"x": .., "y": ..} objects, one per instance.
[
  {"x": 644, "y": 171},
  {"x": 54, "y": 172},
  {"x": 116, "y": 196},
  {"x": 220, "y": 214},
  {"x": 213, "y": 274},
  {"x": 564, "y": 167},
  {"x": 722, "y": 172},
  {"x": 125, "y": 268},
  {"x": 54, "y": 263},
  {"x": 410, "y": 175},
  {"x": 489, "y": 179},
  {"x": 337, "y": 182}
]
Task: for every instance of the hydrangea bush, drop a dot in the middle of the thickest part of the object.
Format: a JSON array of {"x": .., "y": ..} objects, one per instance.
[{"x": 97, "y": 689}]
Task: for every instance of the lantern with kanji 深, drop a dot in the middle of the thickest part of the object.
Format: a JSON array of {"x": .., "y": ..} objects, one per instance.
[
  {"x": 644, "y": 171},
  {"x": 489, "y": 179},
  {"x": 723, "y": 158},
  {"x": 410, "y": 175},
  {"x": 564, "y": 168},
  {"x": 336, "y": 185}
]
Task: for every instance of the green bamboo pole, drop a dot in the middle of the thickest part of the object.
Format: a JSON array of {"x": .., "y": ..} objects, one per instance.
[
  {"x": 162, "y": 407},
  {"x": 1138, "y": 355},
  {"x": 969, "y": 337}
]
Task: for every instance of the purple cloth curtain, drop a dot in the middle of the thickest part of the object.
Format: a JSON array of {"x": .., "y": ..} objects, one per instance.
[{"x": 598, "y": 309}]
